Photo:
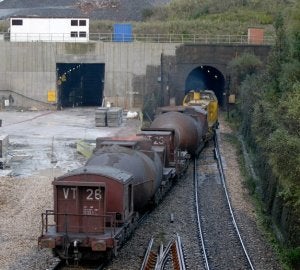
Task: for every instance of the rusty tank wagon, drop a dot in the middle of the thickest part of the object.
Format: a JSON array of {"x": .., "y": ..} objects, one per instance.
[{"x": 97, "y": 206}]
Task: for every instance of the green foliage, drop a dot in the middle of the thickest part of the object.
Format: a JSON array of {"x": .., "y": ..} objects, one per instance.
[
  {"x": 292, "y": 256},
  {"x": 248, "y": 95},
  {"x": 263, "y": 123},
  {"x": 200, "y": 16},
  {"x": 289, "y": 111},
  {"x": 279, "y": 54},
  {"x": 284, "y": 157},
  {"x": 97, "y": 26},
  {"x": 269, "y": 117},
  {"x": 269, "y": 106},
  {"x": 244, "y": 83},
  {"x": 207, "y": 17},
  {"x": 290, "y": 76},
  {"x": 4, "y": 25},
  {"x": 234, "y": 16},
  {"x": 294, "y": 31},
  {"x": 243, "y": 66},
  {"x": 250, "y": 184},
  {"x": 147, "y": 13}
]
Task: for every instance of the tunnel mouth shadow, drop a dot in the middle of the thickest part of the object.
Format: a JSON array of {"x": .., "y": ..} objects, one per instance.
[{"x": 206, "y": 78}]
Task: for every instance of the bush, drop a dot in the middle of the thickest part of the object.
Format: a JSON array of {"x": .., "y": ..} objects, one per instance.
[
  {"x": 283, "y": 150},
  {"x": 293, "y": 257}
]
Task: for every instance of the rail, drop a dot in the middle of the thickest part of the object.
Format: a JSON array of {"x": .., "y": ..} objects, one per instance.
[
  {"x": 146, "y": 38},
  {"x": 222, "y": 174},
  {"x": 200, "y": 231},
  {"x": 201, "y": 236},
  {"x": 158, "y": 261},
  {"x": 177, "y": 255},
  {"x": 149, "y": 258}
]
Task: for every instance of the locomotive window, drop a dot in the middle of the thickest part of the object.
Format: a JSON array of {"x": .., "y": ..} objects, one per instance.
[
  {"x": 17, "y": 22},
  {"x": 188, "y": 98},
  {"x": 82, "y": 22},
  {"x": 74, "y": 34},
  {"x": 74, "y": 22}
]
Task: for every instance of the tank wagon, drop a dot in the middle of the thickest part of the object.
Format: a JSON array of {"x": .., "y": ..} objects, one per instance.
[{"x": 97, "y": 206}]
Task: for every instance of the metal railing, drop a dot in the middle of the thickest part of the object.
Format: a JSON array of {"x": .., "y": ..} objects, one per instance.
[
  {"x": 146, "y": 38},
  {"x": 73, "y": 222}
]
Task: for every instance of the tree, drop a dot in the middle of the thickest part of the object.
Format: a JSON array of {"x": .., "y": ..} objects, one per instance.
[{"x": 278, "y": 56}]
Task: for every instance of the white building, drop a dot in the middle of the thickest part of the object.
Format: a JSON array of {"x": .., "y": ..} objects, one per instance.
[{"x": 49, "y": 29}]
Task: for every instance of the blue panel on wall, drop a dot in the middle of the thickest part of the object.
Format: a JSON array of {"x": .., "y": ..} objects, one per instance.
[{"x": 122, "y": 33}]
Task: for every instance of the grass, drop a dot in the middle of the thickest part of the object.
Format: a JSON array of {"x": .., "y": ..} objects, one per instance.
[{"x": 4, "y": 25}]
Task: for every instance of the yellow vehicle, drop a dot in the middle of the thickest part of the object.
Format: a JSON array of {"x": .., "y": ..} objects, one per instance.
[{"x": 208, "y": 101}]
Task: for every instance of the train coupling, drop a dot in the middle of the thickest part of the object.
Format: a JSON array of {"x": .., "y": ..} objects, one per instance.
[{"x": 76, "y": 253}]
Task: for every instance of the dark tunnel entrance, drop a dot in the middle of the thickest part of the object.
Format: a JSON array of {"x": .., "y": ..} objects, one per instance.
[
  {"x": 80, "y": 84},
  {"x": 206, "y": 77}
]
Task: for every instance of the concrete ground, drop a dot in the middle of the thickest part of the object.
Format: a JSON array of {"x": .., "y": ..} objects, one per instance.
[{"x": 44, "y": 142}]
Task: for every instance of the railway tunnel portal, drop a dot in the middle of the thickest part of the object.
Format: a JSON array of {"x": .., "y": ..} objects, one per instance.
[
  {"x": 206, "y": 77},
  {"x": 205, "y": 66}
]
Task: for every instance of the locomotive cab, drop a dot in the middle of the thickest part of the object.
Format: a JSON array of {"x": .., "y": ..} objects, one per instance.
[{"x": 207, "y": 100}]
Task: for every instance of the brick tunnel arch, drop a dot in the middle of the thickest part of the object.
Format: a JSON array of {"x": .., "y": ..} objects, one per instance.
[{"x": 206, "y": 77}]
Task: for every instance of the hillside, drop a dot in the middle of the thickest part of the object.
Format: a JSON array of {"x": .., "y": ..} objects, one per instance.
[
  {"x": 207, "y": 17},
  {"x": 115, "y": 10},
  {"x": 215, "y": 16}
]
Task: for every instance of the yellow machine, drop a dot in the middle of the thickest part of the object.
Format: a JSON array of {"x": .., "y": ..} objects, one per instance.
[{"x": 208, "y": 101}]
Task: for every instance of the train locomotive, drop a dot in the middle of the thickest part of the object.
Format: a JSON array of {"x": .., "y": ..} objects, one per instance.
[
  {"x": 207, "y": 100},
  {"x": 98, "y": 206}
]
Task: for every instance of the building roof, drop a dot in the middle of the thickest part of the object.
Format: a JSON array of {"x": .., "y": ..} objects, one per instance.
[{"x": 44, "y": 17}]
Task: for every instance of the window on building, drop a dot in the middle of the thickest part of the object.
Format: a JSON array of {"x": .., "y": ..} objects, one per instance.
[
  {"x": 74, "y": 34},
  {"x": 82, "y": 34},
  {"x": 74, "y": 22},
  {"x": 82, "y": 22},
  {"x": 17, "y": 22}
]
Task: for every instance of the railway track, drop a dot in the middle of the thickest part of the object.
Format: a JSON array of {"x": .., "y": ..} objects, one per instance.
[
  {"x": 170, "y": 257},
  {"x": 222, "y": 246},
  {"x": 220, "y": 240}
]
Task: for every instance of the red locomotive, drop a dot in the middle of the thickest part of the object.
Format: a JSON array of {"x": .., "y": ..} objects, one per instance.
[{"x": 97, "y": 206}]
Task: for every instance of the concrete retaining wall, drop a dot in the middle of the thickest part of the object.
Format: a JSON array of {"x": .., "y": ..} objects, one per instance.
[
  {"x": 28, "y": 70},
  {"x": 132, "y": 70}
]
